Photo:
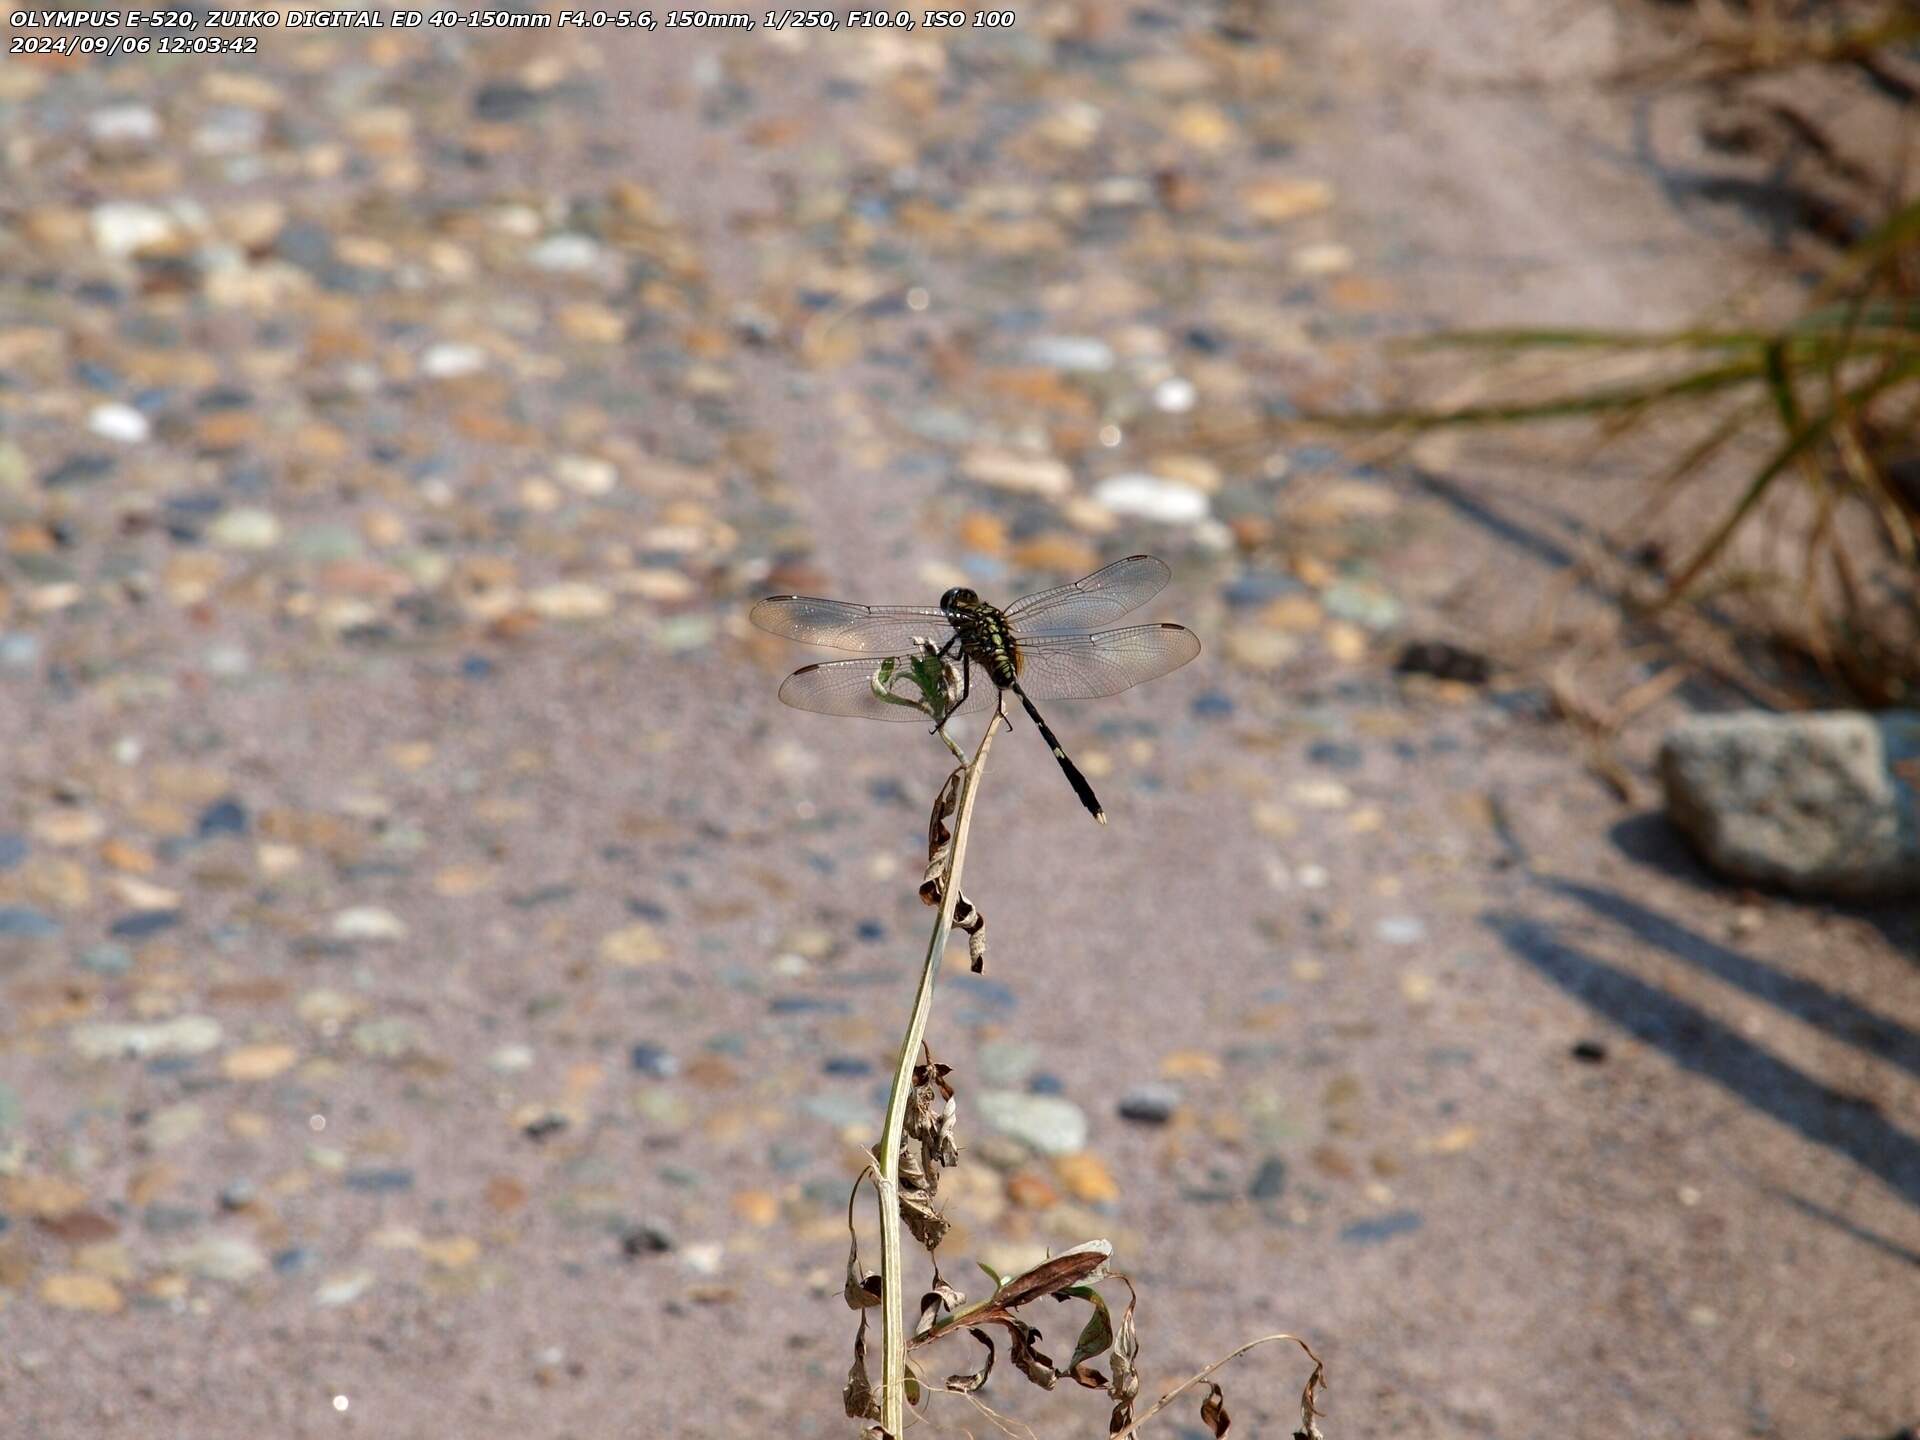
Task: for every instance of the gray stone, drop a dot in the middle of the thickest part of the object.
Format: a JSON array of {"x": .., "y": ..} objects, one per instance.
[
  {"x": 1149, "y": 1104},
  {"x": 1818, "y": 804},
  {"x": 1045, "y": 1123}
]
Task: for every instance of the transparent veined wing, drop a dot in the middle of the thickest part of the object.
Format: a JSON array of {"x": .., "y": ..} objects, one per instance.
[
  {"x": 846, "y": 687},
  {"x": 1081, "y": 667},
  {"x": 1100, "y": 599},
  {"x": 842, "y": 625}
]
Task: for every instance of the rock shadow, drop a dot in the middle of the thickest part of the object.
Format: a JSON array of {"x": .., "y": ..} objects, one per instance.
[{"x": 1696, "y": 1041}]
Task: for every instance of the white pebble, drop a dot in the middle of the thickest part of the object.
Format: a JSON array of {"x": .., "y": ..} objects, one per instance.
[
  {"x": 1175, "y": 395},
  {"x": 122, "y": 228},
  {"x": 1148, "y": 497},
  {"x": 119, "y": 422},
  {"x": 368, "y": 922},
  {"x": 566, "y": 254},
  {"x": 123, "y": 127},
  {"x": 450, "y": 361}
]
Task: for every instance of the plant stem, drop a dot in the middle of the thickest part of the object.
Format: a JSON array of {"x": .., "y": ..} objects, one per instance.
[{"x": 893, "y": 1333}]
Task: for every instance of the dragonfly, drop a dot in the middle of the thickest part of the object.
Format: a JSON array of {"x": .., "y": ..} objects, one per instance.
[{"x": 1045, "y": 646}]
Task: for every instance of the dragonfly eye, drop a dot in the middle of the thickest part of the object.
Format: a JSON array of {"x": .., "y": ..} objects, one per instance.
[{"x": 959, "y": 595}]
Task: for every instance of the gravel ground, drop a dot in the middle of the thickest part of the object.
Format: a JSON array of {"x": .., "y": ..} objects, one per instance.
[{"x": 445, "y": 993}]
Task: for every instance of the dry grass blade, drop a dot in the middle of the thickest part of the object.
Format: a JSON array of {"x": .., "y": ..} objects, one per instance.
[{"x": 1839, "y": 382}]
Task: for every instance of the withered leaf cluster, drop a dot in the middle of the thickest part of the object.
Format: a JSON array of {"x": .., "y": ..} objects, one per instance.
[
  {"x": 928, "y": 1148},
  {"x": 966, "y": 915}
]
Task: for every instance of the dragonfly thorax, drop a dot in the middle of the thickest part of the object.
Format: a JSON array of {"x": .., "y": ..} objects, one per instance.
[{"x": 985, "y": 636}]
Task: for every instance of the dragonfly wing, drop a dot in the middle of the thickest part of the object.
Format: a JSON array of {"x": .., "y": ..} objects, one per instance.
[
  {"x": 846, "y": 687},
  {"x": 1081, "y": 667},
  {"x": 842, "y": 625},
  {"x": 1100, "y": 599}
]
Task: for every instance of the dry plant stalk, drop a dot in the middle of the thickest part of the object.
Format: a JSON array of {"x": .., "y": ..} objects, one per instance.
[{"x": 918, "y": 1143}]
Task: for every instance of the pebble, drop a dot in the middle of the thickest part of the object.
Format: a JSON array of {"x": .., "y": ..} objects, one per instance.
[
  {"x": 653, "y": 1062},
  {"x": 1401, "y": 930},
  {"x": 1048, "y": 1124},
  {"x": 1175, "y": 395},
  {"x": 511, "y": 1060},
  {"x": 92, "y": 1293},
  {"x": 344, "y": 1289},
  {"x": 1385, "y": 1227},
  {"x": 1320, "y": 795},
  {"x": 1019, "y": 472},
  {"x": 182, "y": 1035},
  {"x": 1149, "y": 497},
  {"x": 119, "y": 422},
  {"x": 369, "y": 923},
  {"x": 453, "y": 362},
  {"x": 228, "y": 1258},
  {"x": 120, "y": 128},
  {"x": 1087, "y": 1178},
  {"x": 22, "y": 923},
  {"x": 1276, "y": 201},
  {"x": 566, "y": 254},
  {"x": 223, "y": 817},
  {"x": 124, "y": 228},
  {"x": 245, "y": 528},
  {"x": 1270, "y": 1180},
  {"x": 633, "y": 946},
  {"x": 571, "y": 600},
  {"x": 1075, "y": 354},
  {"x": 1149, "y": 1104},
  {"x": 143, "y": 924},
  {"x": 258, "y": 1062},
  {"x": 389, "y": 1181},
  {"x": 641, "y": 1240}
]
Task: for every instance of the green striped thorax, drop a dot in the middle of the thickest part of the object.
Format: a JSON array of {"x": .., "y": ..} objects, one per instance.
[{"x": 984, "y": 634}]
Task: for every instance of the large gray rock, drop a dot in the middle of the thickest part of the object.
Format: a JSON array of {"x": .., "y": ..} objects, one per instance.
[{"x": 1820, "y": 804}]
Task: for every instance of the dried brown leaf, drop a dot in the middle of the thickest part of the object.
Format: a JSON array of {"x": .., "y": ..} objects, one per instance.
[
  {"x": 1213, "y": 1411},
  {"x": 858, "y": 1396},
  {"x": 940, "y": 1296},
  {"x": 1022, "y": 1352},
  {"x": 928, "y": 1225},
  {"x": 967, "y": 1384},
  {"x": 1310, "y": 1398},
  {"x": 1082, "y": 1265},
  {"x": 940, "y": 838},
  {"x": 914, "y": 1174},
  {"x": 862, "y": 1288}
]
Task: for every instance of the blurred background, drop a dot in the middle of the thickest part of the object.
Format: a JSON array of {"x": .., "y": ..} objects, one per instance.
[{"x": 443, "y": 992}]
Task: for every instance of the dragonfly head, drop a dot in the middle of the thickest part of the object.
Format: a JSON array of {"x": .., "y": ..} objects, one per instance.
[{"x": 959, "y": 598}]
